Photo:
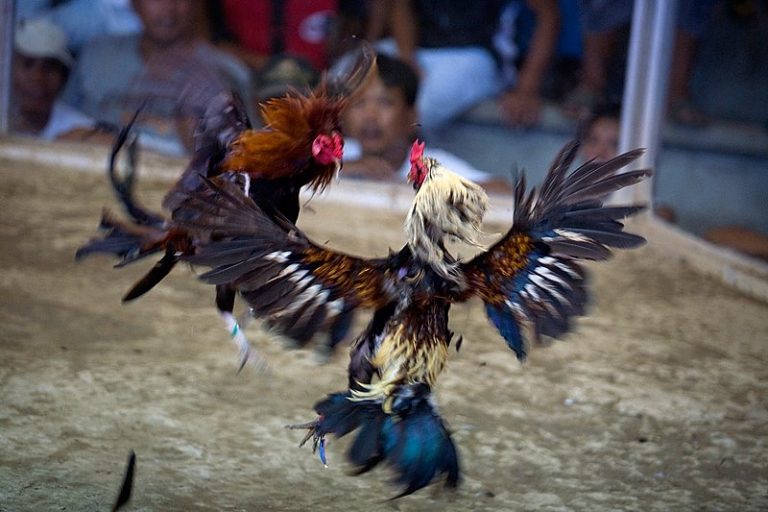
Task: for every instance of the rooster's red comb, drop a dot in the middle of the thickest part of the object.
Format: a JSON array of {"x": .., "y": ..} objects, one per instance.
[{"x": 417, "y": 151}]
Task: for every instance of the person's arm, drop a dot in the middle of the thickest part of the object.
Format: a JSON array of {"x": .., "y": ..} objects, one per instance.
[
  {"x": 378, "y": 20},
  {"x": 404, "y": 28},
  {"x": 521, "y": 105}
]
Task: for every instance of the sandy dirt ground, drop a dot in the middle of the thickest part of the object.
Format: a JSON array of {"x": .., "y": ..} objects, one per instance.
[{"x": 657, "y": 401}]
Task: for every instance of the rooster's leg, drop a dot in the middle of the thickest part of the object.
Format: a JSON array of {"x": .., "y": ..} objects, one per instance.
[
  {"x": 247, "y": 353},
  {"x": 225, "y": 303},
  {"x": 247, "y": 184},
  {"x": 245, "y": 318}
]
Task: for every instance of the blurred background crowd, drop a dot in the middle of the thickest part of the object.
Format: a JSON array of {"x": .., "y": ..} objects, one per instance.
[{"x": 82, "y": 68}]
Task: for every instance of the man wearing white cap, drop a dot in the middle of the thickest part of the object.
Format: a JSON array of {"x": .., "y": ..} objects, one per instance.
[{"x": 40, "y": 69}]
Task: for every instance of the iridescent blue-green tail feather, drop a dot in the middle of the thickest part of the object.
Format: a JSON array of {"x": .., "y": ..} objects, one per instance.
[{"x": 412, "y": 439}]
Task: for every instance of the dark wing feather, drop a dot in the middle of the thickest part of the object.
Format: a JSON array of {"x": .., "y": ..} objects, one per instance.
[
  {"x": 126, "y": 488},
  {"x": 225, "y": 118},
  {"x": 149, "y": 233},
  {"x": 297, "y": 285},
  {"x": 124, "y": 186},
  {"x": 156, "y": 274},
  {"x": 353, "y": 72},
  {"x": 127, "y": 240},
  {"x": 532, "y": 275}
]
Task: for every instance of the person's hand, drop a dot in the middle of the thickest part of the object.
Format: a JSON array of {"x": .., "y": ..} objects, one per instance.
[
  {"x": 370, "y": 168},
  {"x": 520, "y": 108}
]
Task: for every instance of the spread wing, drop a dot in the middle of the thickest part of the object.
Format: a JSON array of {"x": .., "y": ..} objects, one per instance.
[
  {"x": 299, "y": 286},
  {"x": 532, "y": 275}
]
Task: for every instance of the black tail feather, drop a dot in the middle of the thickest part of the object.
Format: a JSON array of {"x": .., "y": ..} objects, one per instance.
[
  {"x": 129, "y": 242},
  {"x": 412, "y": 439},
  {"x": 124, "y": 187},
  {"x": 132, "y": 242},
  {"x": 126, "y": 488},
  {"x": 156, "y": 274},
  {"x": 354, "y": 74}
]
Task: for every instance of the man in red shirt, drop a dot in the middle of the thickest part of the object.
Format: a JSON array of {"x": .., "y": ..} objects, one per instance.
[{"x": 293, "y": 27}]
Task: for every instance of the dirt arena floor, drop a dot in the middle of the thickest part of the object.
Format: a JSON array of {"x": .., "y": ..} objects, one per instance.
[{"x": 658, "y": 401}]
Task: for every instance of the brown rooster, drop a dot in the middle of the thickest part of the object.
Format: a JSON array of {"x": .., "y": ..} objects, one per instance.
[
  {"x": 300, "y": 145},
  {"x": 529, "y": 278}
]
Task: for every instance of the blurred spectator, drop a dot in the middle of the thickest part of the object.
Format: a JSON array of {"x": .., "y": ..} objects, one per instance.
[
  {"x": 281, "y": 74},
  {"x": 732, "y": 63},
  {"x": 292, "y": 27},
  {"x": 355, "y": 19},
  {"x": 450, "y": 43},
  {"x": 83, "y": 20},
  {"x": 599, "y": 142},
  {"x": 166, "y": 69},
  {"x": 212, "y": 25},
  {"x": 41, "y": 64},
  {"x": 521, "y": 100},
  {"x": 599, "y": 134},
  {"x": 605, "y": 25},
  {"x": 380, "y": 125},
  {"x": 692, "y": 20}
]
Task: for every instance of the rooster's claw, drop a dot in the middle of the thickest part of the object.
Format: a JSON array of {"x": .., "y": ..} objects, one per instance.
[{"x": 318, "y": 439}]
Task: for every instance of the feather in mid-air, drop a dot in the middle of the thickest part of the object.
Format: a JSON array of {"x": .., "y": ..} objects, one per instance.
[
  {"x": 300, "y": 145},
  {"x": 530, "y": 278}
]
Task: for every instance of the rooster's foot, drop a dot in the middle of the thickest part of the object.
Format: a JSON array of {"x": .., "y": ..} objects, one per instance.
[{"x": 318, "y": 438}]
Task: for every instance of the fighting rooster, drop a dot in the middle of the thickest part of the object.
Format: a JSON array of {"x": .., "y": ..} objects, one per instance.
[
  {"x": 300, "y": 145},
  {"x": 530, "y": 277}
]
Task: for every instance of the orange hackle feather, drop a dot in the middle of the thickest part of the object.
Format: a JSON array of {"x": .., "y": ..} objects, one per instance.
[{"x": 283, "y": 148}]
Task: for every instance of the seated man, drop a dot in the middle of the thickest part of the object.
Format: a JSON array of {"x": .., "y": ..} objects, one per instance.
[
  {"x": 599, "y": 133},
  {"x": 457, "y": 47},
  {"x": 166, "y": 70},
  {"x": 380, "y": 125},
  {"x": 41, "y": 64}
]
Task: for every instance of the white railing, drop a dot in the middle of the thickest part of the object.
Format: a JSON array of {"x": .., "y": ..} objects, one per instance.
[{"x": 651, "y": 42}]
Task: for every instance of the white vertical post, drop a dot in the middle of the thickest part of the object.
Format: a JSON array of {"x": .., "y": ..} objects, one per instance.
[
  {"x": 651, "y": 44},
  {"x": 6, "y": 55}
]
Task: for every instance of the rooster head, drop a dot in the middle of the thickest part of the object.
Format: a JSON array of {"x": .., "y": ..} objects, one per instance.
[
  {"x": 419, "y": 168},
  {"x": 328, "y": 149}
]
